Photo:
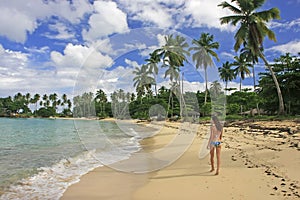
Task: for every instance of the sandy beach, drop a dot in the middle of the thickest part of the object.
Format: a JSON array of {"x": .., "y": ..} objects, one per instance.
[{"x": 259, "y": 160}]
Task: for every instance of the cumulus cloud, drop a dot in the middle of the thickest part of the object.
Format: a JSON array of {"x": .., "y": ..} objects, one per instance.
[
  {"x": 151, "y": 12},
  {"x": 206, "y": 13},
  {"x": 106, "y": 19},
  {"x": 292, "y": 47},
  {"x": 176, "y": 13},
  {"x": 16, "y": 75},
  {"x": 75, "y": 57},
  {"x": 19, "y": 18}
]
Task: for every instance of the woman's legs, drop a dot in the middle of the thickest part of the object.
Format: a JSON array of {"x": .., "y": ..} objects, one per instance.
[
  {"x": 212, "y": 152},
  {"x": 218, "y": 151}
]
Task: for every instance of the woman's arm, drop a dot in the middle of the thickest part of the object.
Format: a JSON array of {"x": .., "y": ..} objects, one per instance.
[{"x": 210, "y": 137}]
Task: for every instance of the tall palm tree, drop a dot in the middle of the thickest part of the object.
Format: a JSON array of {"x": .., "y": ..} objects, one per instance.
[
  {"x": 252, "y": 31},
  {"x": 226, "y": 73},
  {"x": 251, "y": 58},
  {"x": 242, "y": 68},
  {"x": 203, "y": 48},
  {"x": 152, "y": 62},
  {"x": 173, "y": 55}
]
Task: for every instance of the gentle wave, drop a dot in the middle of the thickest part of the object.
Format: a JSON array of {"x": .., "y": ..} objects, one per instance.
[{"x": 52, "y": 182}]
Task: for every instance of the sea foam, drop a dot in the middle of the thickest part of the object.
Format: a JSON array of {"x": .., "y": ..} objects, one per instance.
[{"x": 51, "y": 182}]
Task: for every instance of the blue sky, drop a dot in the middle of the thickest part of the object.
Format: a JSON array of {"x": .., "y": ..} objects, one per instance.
[{"x": 79, "y": 45}]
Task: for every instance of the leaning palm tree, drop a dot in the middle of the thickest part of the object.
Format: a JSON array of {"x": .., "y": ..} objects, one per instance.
[
  {"x": 242, "y": 68},
  {"x": 203, "y": 48},
  {"x": 226, "y": 73},
  {"x": 252, "y": 31}
]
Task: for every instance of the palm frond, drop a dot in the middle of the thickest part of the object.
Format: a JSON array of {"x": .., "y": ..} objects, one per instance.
[
  {"x": 234, "y": 9},
  {"x": 232, "y": 19},
  {"x": 268, "y": 15}
]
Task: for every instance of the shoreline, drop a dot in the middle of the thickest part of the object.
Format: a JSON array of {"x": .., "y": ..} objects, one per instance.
[{"x": 255, "y": 165}]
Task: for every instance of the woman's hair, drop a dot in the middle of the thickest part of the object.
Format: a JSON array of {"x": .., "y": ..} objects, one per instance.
[{"x": 217, "y": 123}]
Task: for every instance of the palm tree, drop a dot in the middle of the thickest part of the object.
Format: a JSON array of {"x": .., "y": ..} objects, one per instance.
[
  {"x": 252, "y": 31},
  {"x": 101, "y": 97},
  {"x": 153, "y": 68},
  {"x": 64, "y": 99},
  {"x": 251, "y": 58},
  {"x": 242, "y": 68},
  {"x": 35, "y": 100},
  {"x": 142, "y": 80},
  {"x": 203, "y": 48},
  {"x": 173, "y": 55},
  {"x": 45, "y": 99},
  {"x": 226, "y": 73},
  {"x": 27, "y": 98}
]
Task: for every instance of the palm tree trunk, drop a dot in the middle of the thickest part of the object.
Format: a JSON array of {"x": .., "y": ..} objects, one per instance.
[
  {"x": 253, "y": 71},
  {"x": 280, "y": 99},
  {"x": 205, "y": 98},
  {"x": 240, "y": 84}
]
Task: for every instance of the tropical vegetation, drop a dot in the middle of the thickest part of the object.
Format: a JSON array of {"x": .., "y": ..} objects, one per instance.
[{"x": 277, "y": 91}]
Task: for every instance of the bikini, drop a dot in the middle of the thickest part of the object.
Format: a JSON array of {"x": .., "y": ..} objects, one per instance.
[{"x": 216, "y": 143}]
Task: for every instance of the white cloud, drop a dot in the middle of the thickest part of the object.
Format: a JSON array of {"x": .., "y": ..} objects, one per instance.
[
  {"x": 227, "y": 55},
  {"x": 151, "y": 12},
  {"x": 62, "y": 32},
  {"x": 206, "y": 13},
  {"x": 177, "y": 13},
  {"x": 292, "y": 47},
  {"x": 18, "y": 18},
  {"x": 293, "y": 25},
  {"x": 119, "y": 78},
  {"x": 16, "y": 75},
  {"x": 131, "y": 63},
  {"x": 9, "y": 28},
  {"x": 107, "y": 19},
  {"x": 75, "y": 57}
]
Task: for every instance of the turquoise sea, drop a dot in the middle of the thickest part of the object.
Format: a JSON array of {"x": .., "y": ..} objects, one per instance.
[{"x": 40, "y": 158}]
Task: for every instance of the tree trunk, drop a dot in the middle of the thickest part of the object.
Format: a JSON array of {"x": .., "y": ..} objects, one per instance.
[
  {"x": 257, "y": 108},
  {"x": 205, "y": 98},
  {"x": 240, "y": 83},
  {"x": 253, "y": 78},
  {"x": 280, "y": 99}
]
